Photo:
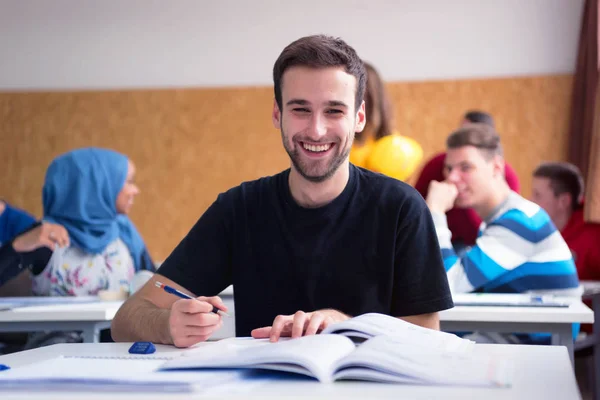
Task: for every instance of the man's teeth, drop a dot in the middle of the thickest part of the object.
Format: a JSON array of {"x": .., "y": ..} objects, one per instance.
[{"x": 319, "y": 148}]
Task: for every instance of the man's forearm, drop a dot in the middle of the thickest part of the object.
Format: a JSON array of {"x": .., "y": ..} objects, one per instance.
[
  {"x": 141, "y": 321},
  {"x": 431, "y": 321}
]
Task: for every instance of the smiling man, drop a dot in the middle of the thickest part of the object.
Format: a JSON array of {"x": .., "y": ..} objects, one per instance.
[
  {"x": 317, "y": 243},
  {"x": 518, "y": 248}
]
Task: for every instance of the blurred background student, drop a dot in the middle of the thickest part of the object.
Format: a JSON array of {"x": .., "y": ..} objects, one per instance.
[
  {"x": 90, "y": 191},
  {"x": 463, "y": 222},
  {"x": 378, "y": 147},
  {"x": 23, "y": 241}
]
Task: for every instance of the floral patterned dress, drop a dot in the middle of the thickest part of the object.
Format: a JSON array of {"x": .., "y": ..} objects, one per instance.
[{"x": 72, "y": 272}]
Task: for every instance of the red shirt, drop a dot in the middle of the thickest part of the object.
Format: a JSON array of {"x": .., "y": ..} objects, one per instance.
[
  {"x": 462, "y": 222},
  {"x": 583, "y": 238}
]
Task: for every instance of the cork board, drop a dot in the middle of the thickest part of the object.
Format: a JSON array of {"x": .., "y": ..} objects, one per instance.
[{"x": 191, "y": 144}]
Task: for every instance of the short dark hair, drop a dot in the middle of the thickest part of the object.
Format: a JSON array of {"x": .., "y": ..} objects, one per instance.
[
  {"x": 480, "y": 117},
  {"x": 320, "y": 51},
  {"x": 564, "y": 178},
  {"x": 482, "y": 136}
]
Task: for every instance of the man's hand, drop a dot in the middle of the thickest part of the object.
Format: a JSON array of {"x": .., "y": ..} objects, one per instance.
[
  {"x": 299, "y": 324},
  {"x": 45, "y": 235},
  {"x": 441, "y": 196},
  {"x": 192, "y": 321}
]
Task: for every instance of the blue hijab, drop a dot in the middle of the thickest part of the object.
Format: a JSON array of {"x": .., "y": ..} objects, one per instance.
[{"x": 80, "y": 193}]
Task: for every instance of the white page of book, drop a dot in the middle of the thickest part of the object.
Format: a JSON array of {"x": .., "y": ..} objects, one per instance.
[
  {"x": 309, "y": 355},
  {"x": 372, "y": 324},
  {"x": 398, "y": 361}
]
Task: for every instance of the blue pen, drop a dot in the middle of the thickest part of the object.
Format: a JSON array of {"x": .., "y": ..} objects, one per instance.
[{"x": 176, "y": 292}]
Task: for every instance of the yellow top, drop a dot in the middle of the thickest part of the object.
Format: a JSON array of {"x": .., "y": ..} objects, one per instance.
[
  {"x": 360, "y": 152},
  {"x": 394, "y": 155}
]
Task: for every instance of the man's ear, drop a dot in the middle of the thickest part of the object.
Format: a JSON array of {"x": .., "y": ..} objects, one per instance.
[
  {"x": 276, "y": 116},
  {"x": 499, "y": 165},
  {"x": 361, "y": 118},
  {"x": 565, "y": 201}
]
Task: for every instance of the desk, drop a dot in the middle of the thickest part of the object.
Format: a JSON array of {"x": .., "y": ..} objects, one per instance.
[
  {"x": 89, "y": 318},
  {"x": 541, "y": 372},
  {"x": 556, "y": 321}
]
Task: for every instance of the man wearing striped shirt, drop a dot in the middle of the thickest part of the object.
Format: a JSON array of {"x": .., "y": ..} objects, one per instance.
[{"x": 518, "y": 248}]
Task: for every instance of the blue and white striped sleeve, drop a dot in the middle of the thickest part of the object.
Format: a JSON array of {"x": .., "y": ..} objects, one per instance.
[{"x": 507, "y": 243}]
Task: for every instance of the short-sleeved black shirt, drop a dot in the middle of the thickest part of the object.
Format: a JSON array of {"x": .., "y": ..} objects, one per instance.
[{"x": 372, "y": 249}]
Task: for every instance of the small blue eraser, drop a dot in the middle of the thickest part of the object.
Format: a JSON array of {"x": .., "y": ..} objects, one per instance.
[
  {"x": 4, "y": 367},
  {"x": 142, "y": 348}
]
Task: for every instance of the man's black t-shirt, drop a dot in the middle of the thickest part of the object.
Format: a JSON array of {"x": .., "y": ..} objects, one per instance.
[{"x": 372, "y": 249}]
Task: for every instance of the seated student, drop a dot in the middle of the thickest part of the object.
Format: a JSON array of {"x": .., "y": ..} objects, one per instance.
[
  {"x": 312, "y": 245},
  {"x": 518, "y": 248},
  {"x": 23, "y": 243},
  {"x": 90, "y": 191},
  {"x": 29, "y": 251},
  {"x": 558, "y": 189},
  {"x": 366, "y": 151},
  {"x": 462, "y": 222},
  {"x": 20, "y": 235},
  {"x": 13, "y": 221},
  {"x": 379, "y": 118}
]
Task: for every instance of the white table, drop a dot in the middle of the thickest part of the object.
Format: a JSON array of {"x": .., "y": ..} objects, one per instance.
[
  {"x": 88, "y": 318},
  {"x": 592, "y": 292},
  {"x": 541, "y": 372},
  {"x": 555, "y": 320}
]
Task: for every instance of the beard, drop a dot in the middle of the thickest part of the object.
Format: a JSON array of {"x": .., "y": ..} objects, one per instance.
[{"x": 316, "y": 171}]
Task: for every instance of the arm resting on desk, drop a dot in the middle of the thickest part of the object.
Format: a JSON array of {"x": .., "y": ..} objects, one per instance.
[{"x": 431, "y": 321}]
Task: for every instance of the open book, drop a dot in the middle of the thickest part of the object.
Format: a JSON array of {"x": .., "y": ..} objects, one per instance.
[
  {"x": 396, "y": 351},
  {"x": 370, "y": 325}
]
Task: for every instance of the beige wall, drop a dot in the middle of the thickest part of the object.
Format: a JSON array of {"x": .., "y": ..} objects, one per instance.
[{"x": 191, "y": 144}]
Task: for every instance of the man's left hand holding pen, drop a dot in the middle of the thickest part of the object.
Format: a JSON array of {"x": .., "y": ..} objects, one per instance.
[{"x": 170, "y": 318}]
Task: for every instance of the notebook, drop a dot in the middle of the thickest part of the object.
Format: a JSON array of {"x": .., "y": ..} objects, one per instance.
[
  {"x": 108, "y": 374},
  {"x": 384, "y": 349}
]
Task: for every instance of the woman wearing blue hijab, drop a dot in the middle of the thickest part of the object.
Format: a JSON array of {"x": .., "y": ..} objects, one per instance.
[{"x": 90, "y": 191}]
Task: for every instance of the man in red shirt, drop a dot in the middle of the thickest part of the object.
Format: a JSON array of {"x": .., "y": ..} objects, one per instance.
[
  {"x": 462, "y": 222},
  {"x": 558, "y": 188}
]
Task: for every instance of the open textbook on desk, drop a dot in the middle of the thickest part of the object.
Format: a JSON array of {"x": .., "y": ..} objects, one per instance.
[{"x": 389, "y": 350}]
